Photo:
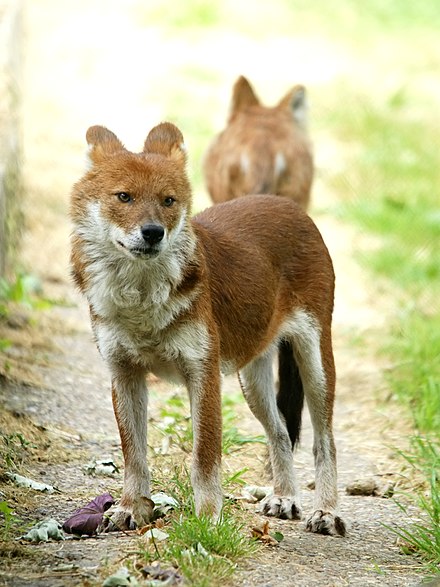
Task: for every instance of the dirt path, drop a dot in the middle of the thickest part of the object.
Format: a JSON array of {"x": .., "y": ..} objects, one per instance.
[{"x": 57, "y": 381}]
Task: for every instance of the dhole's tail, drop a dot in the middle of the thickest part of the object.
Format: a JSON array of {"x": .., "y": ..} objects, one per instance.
[{"x": 290, "y": 398}]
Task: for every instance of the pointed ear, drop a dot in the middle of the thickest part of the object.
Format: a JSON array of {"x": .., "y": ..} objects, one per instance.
[
  {"x": 167, "y": 140},
  {"x": 243, "y": 96},
  {"x": 296, "y": 101},
  {"x": 102, "y": 142}
]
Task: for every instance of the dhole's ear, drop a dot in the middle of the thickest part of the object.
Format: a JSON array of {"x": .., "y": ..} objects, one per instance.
[
  {"x": 243, "y": 96},
  {"x": 296, "y": 101},
  {"x": 102, "y": 142},
  {"x": 166, "y": 139}
]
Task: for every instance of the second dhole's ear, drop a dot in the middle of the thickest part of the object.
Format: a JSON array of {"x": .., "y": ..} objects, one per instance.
[
  {"x": 243, "y": 96},
  {"x": 296, "y": 101},
  {"x": 102, "y": 142},
  {"x": 167, "y": 140}
]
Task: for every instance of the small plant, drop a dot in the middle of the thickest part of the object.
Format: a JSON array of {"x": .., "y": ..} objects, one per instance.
[
  {"x": 13, "y": 449},
  {"x": 4, "y": 342},
  {"x": 423, "y": 537},
  {"x": 9, "y": 519},
  {"x": 236, "y": 479},
  {"x": 178, "y": 486},
  {"x": 21, "y": 290},
  {"x": 177, "y": 424},
  {"x": 414, "y": 345},
  {"x": 233, "y": 440},
  {"x": 25, "y": 290}
]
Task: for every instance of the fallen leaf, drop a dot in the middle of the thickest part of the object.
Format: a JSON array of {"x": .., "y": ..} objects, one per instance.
[
  {"x": 144, "y": 529},
  {"x": 257, "y": 492},
  {"x": 155, "y": 534},
  {"x": 163, "y": 503},
  {"x": 159, "y": 523},
  {"x": 121, "y": 579},
  {"x": 163, "y": 577},
  {"x": 279, "y": 536},
  {"x": 104, "y": 467},
  {"x": 44, "y": 531},
  {"x": 30, "y": 483},
  {"x": 263, "y": 535}
]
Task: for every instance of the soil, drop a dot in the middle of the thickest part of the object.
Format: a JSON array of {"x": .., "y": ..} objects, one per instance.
[{"x": 55, "y": 391}]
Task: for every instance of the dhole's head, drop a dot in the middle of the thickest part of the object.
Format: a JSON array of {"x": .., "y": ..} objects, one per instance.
[{"x": 136, "y": 203}]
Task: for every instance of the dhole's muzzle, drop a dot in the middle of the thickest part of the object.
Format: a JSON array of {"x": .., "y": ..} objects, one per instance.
[{"x": 146, "y": 242}]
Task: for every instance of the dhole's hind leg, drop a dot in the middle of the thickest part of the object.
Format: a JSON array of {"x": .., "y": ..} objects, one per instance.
[
  {"x": 259, "y": 391},
  {"x": 314, "y": 356}
]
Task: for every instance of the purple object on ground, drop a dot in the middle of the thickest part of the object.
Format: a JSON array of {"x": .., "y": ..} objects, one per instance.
[{"x": 86, "y": 520}]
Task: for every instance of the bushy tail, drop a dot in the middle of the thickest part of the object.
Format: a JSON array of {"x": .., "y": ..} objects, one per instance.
[{"x": 290, "y": 398}]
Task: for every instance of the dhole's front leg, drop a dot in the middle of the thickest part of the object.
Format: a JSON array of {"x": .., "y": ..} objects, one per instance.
[
  {"x": 205, "y": 398},
  {"x": 129, "y": 394}
]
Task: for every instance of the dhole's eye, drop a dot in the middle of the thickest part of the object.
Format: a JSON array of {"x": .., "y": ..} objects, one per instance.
[
  {"x": 124, "y": 197},
  {"x": 168, "y": 201}
]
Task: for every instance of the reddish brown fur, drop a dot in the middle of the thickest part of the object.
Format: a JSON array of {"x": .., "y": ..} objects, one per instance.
[
  {"x": 260, "y": 135},
  {"x": 221, "y": 289},
  {"x": 235, "y": 298}
]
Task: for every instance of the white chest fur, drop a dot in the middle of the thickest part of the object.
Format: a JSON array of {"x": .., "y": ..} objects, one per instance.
[{"x": 137, "y": 306}]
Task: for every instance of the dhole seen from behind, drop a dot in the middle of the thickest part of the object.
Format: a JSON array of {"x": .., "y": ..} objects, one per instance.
[
  {"x": 262, "y": 150},
  {"x": 188, "y": 298}
]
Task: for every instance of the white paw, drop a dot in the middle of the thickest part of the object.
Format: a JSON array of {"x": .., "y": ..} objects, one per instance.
[
  {"x": 285, "y": 508},
  {"x": 130, "y": 516},
  {"x": 326, "y": 523}
]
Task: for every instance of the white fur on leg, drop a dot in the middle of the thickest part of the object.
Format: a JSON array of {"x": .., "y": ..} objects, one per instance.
[
  {"x": 130, "y": 402},
  {"x": 305, "y": 334},
  {"x": 208, "y": 496},
  {"x": 260, "y": 395}
]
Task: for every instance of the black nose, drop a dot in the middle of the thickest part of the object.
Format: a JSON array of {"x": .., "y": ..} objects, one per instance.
[{"x": 152, "y": 233}]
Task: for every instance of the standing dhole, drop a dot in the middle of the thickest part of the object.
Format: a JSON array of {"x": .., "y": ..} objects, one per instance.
[
  {"x": 187, "y": 298},
  {"x": 262, "y": 150}
]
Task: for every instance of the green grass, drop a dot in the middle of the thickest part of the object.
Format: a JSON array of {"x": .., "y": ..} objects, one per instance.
[
  {"x": 25, "y": 290},
  {"x": 177, "y": 423},
  {"x": 204, "y": 552},
  {"x": 423, "y": 537},
  {"x": 8, "y": 520},
  {"x": 414, "y": 346},
  {"x": 390, "y": 192},
  {"x": 13, "y": 450}
]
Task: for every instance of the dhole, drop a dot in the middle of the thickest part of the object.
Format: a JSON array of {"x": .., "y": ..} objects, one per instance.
[
  {"x": 262, "y": 150},
  {"x": 188, "y": 298}
]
